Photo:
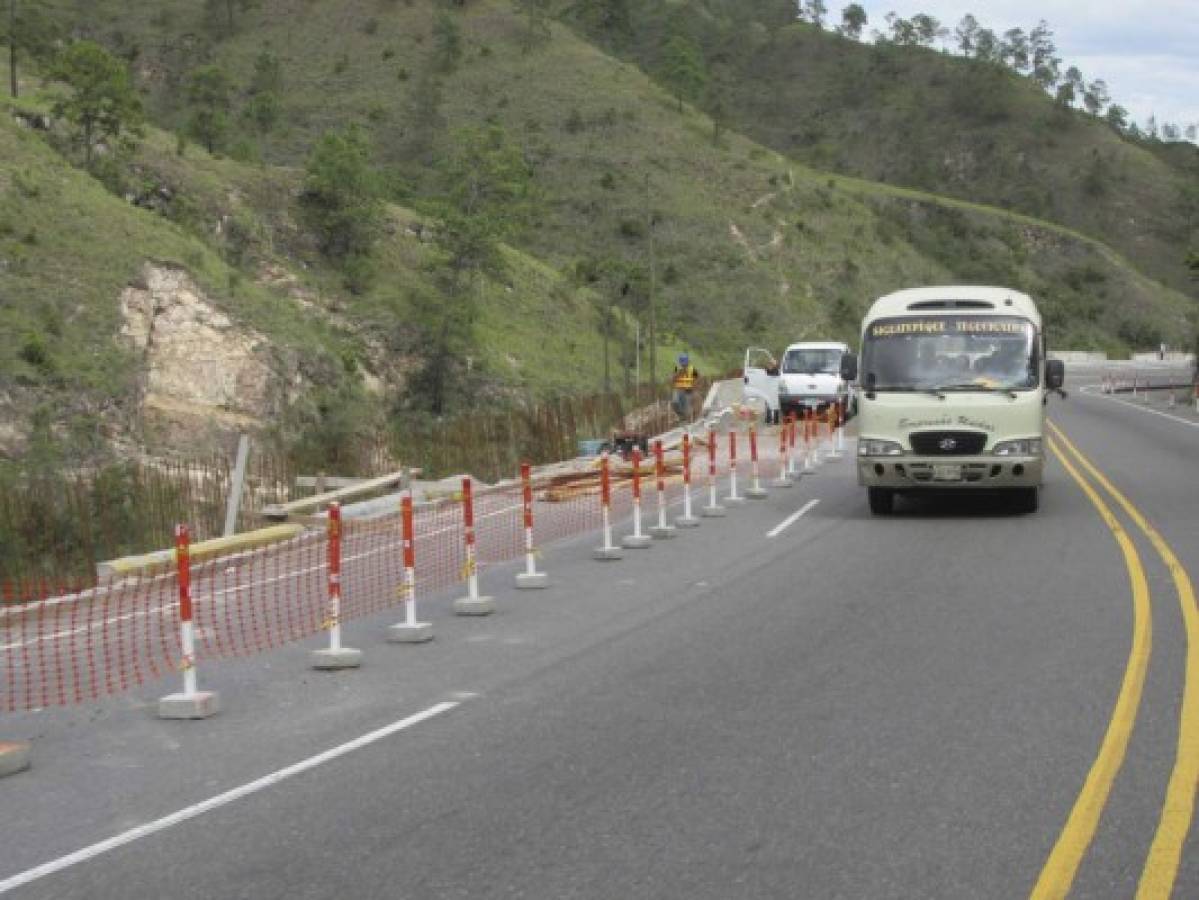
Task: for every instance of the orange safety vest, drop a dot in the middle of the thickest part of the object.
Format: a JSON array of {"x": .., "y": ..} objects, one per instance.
[{"x": 684, "y": 379}]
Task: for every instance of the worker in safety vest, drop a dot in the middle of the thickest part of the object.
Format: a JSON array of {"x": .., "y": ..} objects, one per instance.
[{"x": 683, "y": 381}]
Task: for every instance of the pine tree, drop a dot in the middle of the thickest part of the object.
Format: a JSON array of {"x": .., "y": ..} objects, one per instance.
[
  {"x": 486, "y": 196},
  {"x": 341, "y": 195},
  {"x": 25, "y": 29},
  {"x": 103, "y": 103},
  {"x": 683, "y": 69},
  {"x": 853, "y": 20},
  {"x": 208, "y": 92},
  {"x": 537, "y": 22}
]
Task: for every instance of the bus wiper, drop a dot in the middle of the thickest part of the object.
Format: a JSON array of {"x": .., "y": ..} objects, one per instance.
[
  {"x": 977, "y": 386},
  {"x": 934, "y": 392}
]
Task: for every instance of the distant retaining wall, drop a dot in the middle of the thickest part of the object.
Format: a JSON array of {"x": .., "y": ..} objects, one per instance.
[
  {"x": 1169, "y": 356},
  {"x": 1098, "y": 356}
]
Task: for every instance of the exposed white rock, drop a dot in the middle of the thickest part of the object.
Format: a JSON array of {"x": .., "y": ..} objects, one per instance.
[{"x": 199, "y": 368}]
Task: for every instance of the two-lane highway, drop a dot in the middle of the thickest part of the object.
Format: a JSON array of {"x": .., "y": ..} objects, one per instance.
[
  {"x": 773, "y": 705},
  {"x": 1143, "y": 465}
]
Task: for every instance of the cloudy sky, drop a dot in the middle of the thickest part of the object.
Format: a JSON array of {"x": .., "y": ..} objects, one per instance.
[{"x": 1148, "y": 53}]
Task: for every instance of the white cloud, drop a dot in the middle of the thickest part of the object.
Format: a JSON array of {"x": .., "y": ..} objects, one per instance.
[
  {"x": 1161, "y": 86},
  {"x": 1145, "y": 52}
]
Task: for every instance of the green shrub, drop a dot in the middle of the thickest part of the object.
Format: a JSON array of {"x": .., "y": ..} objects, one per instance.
[
  {"x": 632, "y": 229},
  {"x": 35, "y": 352}
]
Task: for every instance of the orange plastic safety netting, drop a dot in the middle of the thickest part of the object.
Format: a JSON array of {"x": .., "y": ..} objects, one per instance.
[{"x": 111, "y": 638}]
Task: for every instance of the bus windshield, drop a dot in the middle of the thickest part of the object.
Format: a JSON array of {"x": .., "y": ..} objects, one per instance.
[
  {"x": 950, "y": 352},
  {"x": 810, "y": 361}
]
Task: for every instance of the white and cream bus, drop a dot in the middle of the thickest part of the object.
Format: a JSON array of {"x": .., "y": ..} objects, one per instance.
[{"x": 952, "y": 387}]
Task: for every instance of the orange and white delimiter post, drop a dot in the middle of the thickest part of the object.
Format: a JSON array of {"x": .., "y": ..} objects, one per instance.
[
  {"x": 661, "y": 531},
  {"x": 713, "y": 509},
  {"x": 191, "y": 703},
  {"x": 733, "y": 498},
  {"x": 410, "y": 631},
  {"x": 784, "y": 477},
  {"x": 335, "y": 656},
  {"x": 687, "y": 519},
  {"x": 811, "y": 456},
  {"x": 530, "y": 578},
  {"x": 472, "y": 604},
  {"x": 755, "y": 490},
  {"x": 609, "y": 550},
  {"x": 637, "y": 540}
]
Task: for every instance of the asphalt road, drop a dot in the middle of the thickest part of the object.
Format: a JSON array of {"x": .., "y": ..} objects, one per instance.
[{"x": 856, "y": 707}]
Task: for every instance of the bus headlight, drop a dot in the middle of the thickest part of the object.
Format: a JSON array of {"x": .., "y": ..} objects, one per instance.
[
  {"x": 872, "y": 447},
  {"x": 1021, "y": 447}
]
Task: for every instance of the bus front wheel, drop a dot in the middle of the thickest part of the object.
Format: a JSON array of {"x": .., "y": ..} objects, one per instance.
[
  {"x": 1028, "y": 499},
  {"x": 882, "y": 500}
]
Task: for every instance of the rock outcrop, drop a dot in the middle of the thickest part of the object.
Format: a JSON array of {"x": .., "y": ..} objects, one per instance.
[{"x": 204, "y": 377}]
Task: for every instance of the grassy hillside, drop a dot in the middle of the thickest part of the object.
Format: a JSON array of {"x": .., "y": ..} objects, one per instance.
[
  {"x": 747, "y": 244},
  {"x": 265, "y": 234},
  {"x": 631, "y": 190},
  {"x": 924, "y": 119},
  {"x": 68, "y": 247},
  {"x": 608, "y": 149}
]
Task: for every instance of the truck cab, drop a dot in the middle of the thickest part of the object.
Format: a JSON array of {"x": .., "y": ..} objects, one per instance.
[
  {"x": 807, "y": 377},
  {"x": 810, "y": 377}
]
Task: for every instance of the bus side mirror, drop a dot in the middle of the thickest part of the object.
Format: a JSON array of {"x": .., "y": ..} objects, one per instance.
[
  {"x": 849, "y": 367},
  {"x": 1055, "y": 374}
]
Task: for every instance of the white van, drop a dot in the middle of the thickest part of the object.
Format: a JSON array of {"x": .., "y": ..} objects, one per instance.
[
  {"x": 809, "y": 375},
  {"x": 952, "y": 388}
]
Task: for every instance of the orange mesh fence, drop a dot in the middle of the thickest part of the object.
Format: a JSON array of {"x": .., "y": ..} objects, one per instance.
[
  {"x": 78, "y": 647},
  {"x": 108, "y": 639},
  {"x": 23, "y": 590}
]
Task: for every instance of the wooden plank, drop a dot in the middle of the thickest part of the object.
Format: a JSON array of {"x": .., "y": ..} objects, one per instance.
[
  {"x": 330, "y": 481},
  {"x": 201, "y": 550},
  {"x": 308, "y": 504}
]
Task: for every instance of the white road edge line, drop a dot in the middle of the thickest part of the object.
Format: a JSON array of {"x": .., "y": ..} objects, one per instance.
[
  {"x": 219, "y": 800},
  {"x": 790, "y": 520},
  {"x": 1131, "y": 405}
]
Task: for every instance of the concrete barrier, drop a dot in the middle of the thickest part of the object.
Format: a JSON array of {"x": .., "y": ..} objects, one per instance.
[
  {"x": 1078, "y": 356},
  {"x": 1170, "y": 356},
  {"x": 14, "y": 757}
]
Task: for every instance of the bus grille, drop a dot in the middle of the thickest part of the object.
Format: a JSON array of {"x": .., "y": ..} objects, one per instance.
[{"x": 948, "y": 443}]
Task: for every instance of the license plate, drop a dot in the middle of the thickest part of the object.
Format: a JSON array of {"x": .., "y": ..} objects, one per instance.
[{"x": 947, "y": 473}]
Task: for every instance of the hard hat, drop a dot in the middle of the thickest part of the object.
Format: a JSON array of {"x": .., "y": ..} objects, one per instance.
[{"x": 684, "y": 359}]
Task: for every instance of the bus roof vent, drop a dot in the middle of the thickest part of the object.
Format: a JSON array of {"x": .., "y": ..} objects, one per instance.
[{"x": 952, "y": 304}]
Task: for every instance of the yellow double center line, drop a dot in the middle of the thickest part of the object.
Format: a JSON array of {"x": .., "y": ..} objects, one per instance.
[
  {"x": 1058, "y": 874},
  {"x": 1161, "y": 866}
]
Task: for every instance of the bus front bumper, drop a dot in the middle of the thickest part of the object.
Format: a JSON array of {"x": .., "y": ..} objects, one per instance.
[{"x": 949, "y": 472}]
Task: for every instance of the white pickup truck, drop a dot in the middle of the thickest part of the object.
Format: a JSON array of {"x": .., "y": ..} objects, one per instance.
[{"x": 809, "y": 376}]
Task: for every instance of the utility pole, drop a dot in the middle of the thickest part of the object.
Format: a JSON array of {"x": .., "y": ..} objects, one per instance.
[
  {"x": 607, "y": 330},
  {"x": 12, "y": 48},
  {"x": 653, "y": 318},
  {"x": 637, "y": 355}
]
